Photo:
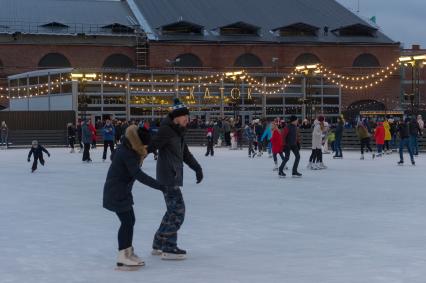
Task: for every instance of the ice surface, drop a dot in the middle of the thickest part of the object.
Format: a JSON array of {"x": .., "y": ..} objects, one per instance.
[{"x": 358, "y": 221}]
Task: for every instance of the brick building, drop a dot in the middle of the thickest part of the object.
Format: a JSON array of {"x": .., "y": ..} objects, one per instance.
[{"x": 269, "y": 36}]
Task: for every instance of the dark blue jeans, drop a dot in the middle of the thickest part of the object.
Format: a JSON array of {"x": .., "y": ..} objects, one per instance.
[
  {"x": 405, "y": 143},
  {"x": 414, "y": 145},
  {"x": 166, "y": 236},
  {"x": 338, "y": 147}
]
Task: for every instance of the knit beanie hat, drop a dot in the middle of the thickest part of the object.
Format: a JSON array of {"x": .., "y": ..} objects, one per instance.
[
  {"x": 179, "y": 109},
  {"x": 293, "y": 118}
]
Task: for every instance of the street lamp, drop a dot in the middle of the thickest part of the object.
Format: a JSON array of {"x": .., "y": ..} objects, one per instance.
[
  {"x": 307, "y": 100},
  {"x": 83, "y": 100},
  {"x": 416, "y": 62}
]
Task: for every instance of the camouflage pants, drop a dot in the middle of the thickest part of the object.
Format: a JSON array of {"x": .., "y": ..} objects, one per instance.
[{"x": 166, "y": 236}]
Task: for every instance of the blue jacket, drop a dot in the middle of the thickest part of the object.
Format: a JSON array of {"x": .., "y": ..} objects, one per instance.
[
  {"x": 108, "y": 132},
  {"x": 267, "y": 133}
]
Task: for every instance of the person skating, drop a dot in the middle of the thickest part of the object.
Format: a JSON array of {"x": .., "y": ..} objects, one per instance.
[
  {"x": 93, "y": 134},
  {"x": 210, "y": 142},
  {"x": 364, "y": 138},
  {"x": 86, "y": 137},
  {"x": 404, "y": 136},
  {"x": 379, "y": 135},
  {"x": 108, "y": 133},
  {"x": 37, "y": 151},
  {"x": 277, "y": 145},
  {"x": 172, "y": 153},
  {"x": 339, "y": 135},
  {"x": 4, "y": 133},
  {"x": 291, "y": 145},
  {"x": 388, "y": 136},
  {"x": 415, "y": 132},
  {"x": 250, "y": 136},
  {"x": 71, "y": 136},
  {"x": 124, "y": 170},
  {"x": 315, "y": 160}
]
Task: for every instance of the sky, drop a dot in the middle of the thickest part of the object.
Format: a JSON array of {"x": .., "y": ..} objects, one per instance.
[{"x": 401, "y": 20}]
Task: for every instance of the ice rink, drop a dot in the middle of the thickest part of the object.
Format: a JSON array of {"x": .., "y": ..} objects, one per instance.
[{"x": 358, "y": 221}]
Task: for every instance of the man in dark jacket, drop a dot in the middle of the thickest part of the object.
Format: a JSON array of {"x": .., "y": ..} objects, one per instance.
[
  {"x": 172, "y": 153},
  {"x": 415, "y": 132},
  {"x": 125, "y": 169},
  {"x": 404, "y": 135},
  {"x": 339, "y": 136},
  {"x": 37, "y": 150},
  {"x": 87, "y": 140},
  {"x": 291, "y": 144}
]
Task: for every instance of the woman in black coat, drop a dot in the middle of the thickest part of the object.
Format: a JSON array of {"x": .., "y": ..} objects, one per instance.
[{"x": 125, "y": 169}]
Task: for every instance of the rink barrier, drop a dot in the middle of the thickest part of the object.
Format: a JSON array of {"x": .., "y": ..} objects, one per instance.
[{"x": 194, "y": 137}]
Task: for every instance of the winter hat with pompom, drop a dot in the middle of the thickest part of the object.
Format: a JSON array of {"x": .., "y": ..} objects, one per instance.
[{"x": 179, "y": 109}]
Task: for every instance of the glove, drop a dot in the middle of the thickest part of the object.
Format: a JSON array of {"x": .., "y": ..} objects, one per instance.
[
  {"x": 28, "y": 160},
  {"x": 48, "y": 155},
  {"x": 199, "y": 175}
]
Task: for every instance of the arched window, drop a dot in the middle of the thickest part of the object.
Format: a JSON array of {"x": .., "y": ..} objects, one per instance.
[
  {"x": 188, "y": 60},
  {"x": 119, "y": 61},
  {"x": 366, "y": 60},
  {"x": 54, "y": 60},
  {"x": 248, "y": 60},
  {"x": 306, "y": 59}
]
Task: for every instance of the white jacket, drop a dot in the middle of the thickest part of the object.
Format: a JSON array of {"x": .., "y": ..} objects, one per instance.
[{"x": 317, "y": 136}]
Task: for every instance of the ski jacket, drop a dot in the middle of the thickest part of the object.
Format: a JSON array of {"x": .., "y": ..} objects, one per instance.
[
  {"x": 124, "y": 170},
  {"x": 276, "y": 141},
  {"x": 172, "y": 153},
  {"x": 379, "y": 134}
]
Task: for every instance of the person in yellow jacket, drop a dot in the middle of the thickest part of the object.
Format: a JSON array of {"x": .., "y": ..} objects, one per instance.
[{"x": 388, "y": 136}]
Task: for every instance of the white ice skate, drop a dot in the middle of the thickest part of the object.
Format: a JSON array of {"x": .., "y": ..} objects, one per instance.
[
  {"x": 362, "y": 157},
  {"x": 309, "y": 166},
  {"x": 321, "y": 166},
  {"x": 128, "y": 261},
  {"x": 275, "y": 168}
]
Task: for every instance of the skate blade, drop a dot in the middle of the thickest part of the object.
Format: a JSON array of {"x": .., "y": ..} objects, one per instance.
[
  {"x": 129, "y": 268},
  {"x": 167, "y": 256},
  {"x": 156, "y": 252},
  {"x": 297, "y": 177}
]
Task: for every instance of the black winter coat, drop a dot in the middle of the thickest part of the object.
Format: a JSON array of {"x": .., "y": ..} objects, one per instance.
[
  {"x": 172, "y": 153},
  {"x": 38, "y": 152},
  {"x": 124, "y": 171},
  {"x": 403, "y": 130},
  {"x": 339, "y": 130},
  {"x": 291, "y": 139},
  {"x": 414, "y": 128}
]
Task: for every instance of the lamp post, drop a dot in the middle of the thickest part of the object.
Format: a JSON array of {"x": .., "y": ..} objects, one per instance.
[
  {"x": 416, "y": 62},
  {"x": 307, "y": 71},
  {"x": 82, "y": 100}
]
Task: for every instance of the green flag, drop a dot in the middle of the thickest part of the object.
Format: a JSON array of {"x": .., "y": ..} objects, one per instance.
[{"x": 373, "y": 19}]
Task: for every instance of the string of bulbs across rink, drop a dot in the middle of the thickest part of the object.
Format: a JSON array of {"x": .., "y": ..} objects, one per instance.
[{"x": 150, "y": 94}]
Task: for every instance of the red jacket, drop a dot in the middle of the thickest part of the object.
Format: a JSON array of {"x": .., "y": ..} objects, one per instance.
[
  {"x": 277, "y": 142},
  {"x": 380, "y": 134},
  {"x": 93, "y": 130}
]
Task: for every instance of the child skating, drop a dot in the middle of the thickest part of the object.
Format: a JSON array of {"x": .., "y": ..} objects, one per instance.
[{"x": 37, "y": 150}]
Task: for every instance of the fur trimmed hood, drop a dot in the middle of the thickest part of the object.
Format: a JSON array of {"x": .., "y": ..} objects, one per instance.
[{"x": 134, "y": 141}]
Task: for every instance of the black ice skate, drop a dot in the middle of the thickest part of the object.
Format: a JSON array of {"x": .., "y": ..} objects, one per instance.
[
  {"x": 282, "y": 174},
  {"x": 297, "y": 175},
  {"x": 173, "y": 254},
  {"x": 401, "y": 163}
]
